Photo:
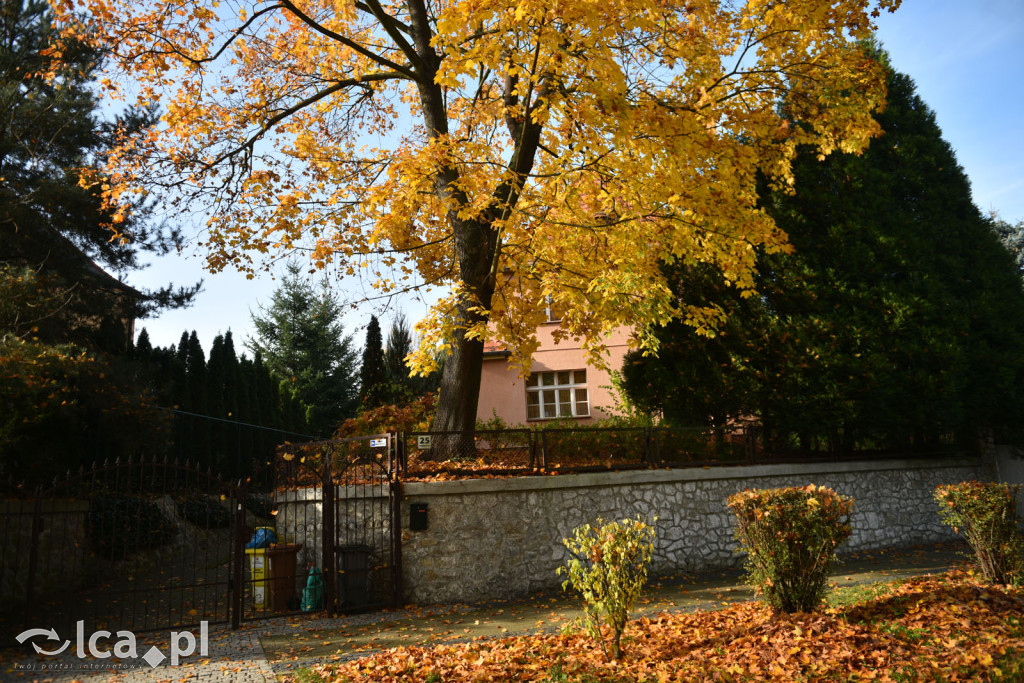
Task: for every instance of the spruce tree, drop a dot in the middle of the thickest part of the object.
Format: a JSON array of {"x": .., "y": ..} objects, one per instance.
[
  {"x": 143, "y": 347},
  {"x": 401, "y": 386},
  {"x": 1012, "y": 237},
  {"x": 301, "y": 339}
]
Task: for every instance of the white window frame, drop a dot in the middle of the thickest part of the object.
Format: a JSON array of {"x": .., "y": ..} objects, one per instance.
[
  {"x": 549, "y": 310},
  {"x": 546, "y": 395}
]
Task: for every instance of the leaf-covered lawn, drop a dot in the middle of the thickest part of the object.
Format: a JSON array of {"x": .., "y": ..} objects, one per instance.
[{"x": 947, "y": 627}]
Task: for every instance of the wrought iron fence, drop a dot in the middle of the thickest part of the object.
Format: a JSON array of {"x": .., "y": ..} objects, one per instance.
[
  {"x": 499, "y": 451},
  {"x": 591, "y": 448},
  {"x": 138, "y": 545}
]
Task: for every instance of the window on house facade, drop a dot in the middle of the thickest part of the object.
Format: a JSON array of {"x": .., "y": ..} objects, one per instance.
[
  {"x": 551, "y": 395},
  {"x": 550, "y": 314}
]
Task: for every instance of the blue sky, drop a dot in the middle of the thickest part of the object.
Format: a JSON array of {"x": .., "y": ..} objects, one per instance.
[{"x": 967, "y": 59}]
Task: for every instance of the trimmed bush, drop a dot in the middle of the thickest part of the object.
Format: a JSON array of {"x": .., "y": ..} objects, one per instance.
[
  {"x": 609, "y": 570},
  {"x": 790, "y": 536},
  {"x": 122, "y": 525},
  {"x": 985, "y": 513},
  {"x": 204, "y": 511}
]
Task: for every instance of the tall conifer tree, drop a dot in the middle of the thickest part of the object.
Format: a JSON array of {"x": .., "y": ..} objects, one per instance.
[
  {"x": 372, "y": 373},
  {"x": 301, "y": 339},
  {"x": 898, "y": 321}
]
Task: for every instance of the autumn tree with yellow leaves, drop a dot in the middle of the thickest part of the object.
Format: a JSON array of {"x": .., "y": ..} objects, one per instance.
[{"x": 510, "y": 150}]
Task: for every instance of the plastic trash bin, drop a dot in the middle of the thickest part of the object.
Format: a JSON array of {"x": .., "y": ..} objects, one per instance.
[
  {"x": 281, "y": 574},
  {"x": 258, "y": 576},
  {"x": 353, "y": 565}
]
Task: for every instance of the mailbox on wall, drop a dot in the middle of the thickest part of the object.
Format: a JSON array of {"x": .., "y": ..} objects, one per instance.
[{"x": 417, "y": 516}]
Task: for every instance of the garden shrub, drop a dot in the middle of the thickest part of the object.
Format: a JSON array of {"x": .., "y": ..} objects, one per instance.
[
  {"x": 609, "y": 570},
  {"x": 204, "y": 511},
  {"x": 985, "y": 513},
  {"x": 122, "y": 525},
  {"x": 790, "y": 536}
]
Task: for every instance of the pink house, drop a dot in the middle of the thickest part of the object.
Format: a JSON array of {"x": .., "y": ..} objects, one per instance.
[{"x": 560, "y": 385}]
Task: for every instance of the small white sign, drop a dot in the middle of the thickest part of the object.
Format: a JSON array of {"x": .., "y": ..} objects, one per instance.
[
  {"x": 378, "y": 443},
  {"x": 424, "y": 441}
]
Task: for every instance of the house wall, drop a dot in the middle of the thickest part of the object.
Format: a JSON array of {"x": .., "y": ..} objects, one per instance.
[
  {"x": 502, "y": 391},
  {"x": 501, "y": 538}
]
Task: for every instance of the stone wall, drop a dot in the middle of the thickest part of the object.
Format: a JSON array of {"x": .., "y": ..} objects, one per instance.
[
  {"x": 1009, "y": 463},
  {"x": 497, "y": 538}
]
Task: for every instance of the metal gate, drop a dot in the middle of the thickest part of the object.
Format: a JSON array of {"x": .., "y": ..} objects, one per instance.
[
  {"x": 338, "y": 547},
  {"x": 134, "y": 546},
  {"x": 156, "y": 545}
]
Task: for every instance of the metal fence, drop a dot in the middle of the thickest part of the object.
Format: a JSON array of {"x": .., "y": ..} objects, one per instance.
[
  {"x": 595, "y": 448},
  {"x": 153, "y": 544},
  {"x": 137, "y": 545}
]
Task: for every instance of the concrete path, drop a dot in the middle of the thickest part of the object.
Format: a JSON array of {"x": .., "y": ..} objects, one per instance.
[{"x": 263, "y": 650}]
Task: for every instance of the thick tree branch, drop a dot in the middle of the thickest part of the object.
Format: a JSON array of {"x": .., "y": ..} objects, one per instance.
[
  {"x": 389, "y": 24},
  {"x": 337, "y": 37}
]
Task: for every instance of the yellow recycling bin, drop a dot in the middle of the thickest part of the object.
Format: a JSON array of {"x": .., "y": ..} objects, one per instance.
[{"x": 258, "y": 575}]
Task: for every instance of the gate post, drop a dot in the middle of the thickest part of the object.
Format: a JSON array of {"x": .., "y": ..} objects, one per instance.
[
  {"x": 327, "y": 543},
  {"x": 236, "y": 593},
  {"x": 395, "y": 488},
  {"x": 33, "y": 555}
]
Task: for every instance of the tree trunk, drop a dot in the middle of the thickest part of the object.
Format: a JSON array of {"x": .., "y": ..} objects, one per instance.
[
  {"x": 457, "y": 406},
  {"x": 477, "y": 244}
]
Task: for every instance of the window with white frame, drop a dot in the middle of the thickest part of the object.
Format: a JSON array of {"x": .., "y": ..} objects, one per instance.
[
  {"x": 562, "y": 393},
  {"x": 550, "y": 314}
]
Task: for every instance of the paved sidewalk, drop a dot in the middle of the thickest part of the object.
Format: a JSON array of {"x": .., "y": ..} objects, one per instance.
[{"x": 263, "y": 650}]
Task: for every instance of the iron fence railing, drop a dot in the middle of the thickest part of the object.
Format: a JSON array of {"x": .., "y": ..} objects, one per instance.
[
  {"x": 139, "y": 545},
  {"x": 335, "y": 507},
  {"x": 526, "y": 451}
]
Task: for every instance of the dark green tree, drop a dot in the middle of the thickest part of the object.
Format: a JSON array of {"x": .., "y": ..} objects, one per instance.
[
  {"x": 301, "y": 339},
  {"x": 898, "y": 321},
  {"x": 63, "y": 406},
  {"x": 404, "y": 387},
  {"x": 50, "y": 132},
  {"x": 70, "y": 335},
  {"x": 143, "y": 346},
  {"x": 373, "y": 374},
  {"x": 399, "y": 345}
]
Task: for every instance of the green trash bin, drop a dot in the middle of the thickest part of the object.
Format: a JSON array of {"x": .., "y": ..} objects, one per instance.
[{"x": 353, "y": 565}]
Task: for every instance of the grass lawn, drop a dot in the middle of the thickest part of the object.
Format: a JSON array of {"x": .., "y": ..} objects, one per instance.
[{"x": 946, "y": 627}]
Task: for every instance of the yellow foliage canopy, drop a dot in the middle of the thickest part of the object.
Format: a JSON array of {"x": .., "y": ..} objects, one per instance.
[{"x": 513, "y": 150}]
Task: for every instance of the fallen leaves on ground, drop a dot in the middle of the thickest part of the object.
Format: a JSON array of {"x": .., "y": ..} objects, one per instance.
[{"x": 947, "y": 627}]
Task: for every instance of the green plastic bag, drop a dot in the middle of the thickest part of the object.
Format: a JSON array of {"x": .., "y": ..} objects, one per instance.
[{"x": 313, "y": 593}]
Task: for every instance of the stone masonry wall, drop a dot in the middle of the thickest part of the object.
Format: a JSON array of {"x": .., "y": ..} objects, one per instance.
[{"x": 497, "y": 538}]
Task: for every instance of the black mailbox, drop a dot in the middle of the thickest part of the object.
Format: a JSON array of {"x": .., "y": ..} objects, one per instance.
[{"x": 417, "y": 516}]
